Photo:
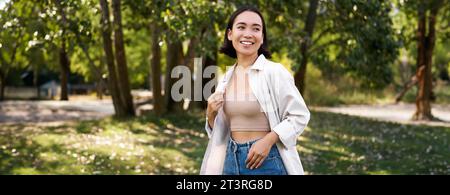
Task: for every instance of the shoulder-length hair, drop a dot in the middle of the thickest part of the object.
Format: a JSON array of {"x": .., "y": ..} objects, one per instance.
[{"x": 227, "y": 46}]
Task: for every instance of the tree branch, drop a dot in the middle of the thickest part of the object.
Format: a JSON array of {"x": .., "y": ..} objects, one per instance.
[
  {"x": 413, "y": 81},
  {"x": 322, "y": 46},
  {"x": 321, "y": 34}
]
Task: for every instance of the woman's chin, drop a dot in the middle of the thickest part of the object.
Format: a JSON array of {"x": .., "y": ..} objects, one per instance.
[{"x": 246, "y": 52}]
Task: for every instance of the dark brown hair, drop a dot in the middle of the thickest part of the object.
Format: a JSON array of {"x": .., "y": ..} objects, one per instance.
[{"x": 227, "y": 46}]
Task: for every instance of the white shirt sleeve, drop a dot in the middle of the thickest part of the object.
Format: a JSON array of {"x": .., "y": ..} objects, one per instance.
[
  {"x": 294, "y": 114},
  {"x": 208, "y": 128}
]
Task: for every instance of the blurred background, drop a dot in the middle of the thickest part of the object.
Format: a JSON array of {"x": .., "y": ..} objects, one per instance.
[{"x": 83, "y": 83}]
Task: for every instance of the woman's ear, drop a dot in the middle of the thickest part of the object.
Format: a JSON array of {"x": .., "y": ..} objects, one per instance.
[{"x": 229, "y": 34}]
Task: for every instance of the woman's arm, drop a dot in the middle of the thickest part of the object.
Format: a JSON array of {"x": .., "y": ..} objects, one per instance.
[
  {"x": 210, "y": 119},
  {"x": 292, "y": 108}
]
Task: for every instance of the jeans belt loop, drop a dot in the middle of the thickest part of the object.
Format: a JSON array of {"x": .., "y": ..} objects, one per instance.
[{"x": 234, "y": 146}]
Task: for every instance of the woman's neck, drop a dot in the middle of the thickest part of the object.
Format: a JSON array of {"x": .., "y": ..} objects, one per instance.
[{"x": 246, "y": 61}]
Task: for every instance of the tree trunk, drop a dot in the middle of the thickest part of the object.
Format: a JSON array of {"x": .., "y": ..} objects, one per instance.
[
  {"x": 408, "y": 85},
  {"x": 2, "y": 86},
  {"x": 36, "y": 80},
  {"x": 65, "y": 71},
  {"x": 158, "y": 101},
  {"x": 99, "y": 89},
  {"x": 426, "y": 44},
  {"x": 107, "y": 47},
  {"x": 174, "y": 56},
  {"x": 300, "y": 74},
  {"x": 4, "y": 71},
  {"x": 3, "y": 74},
  {"x": 123, "y": 82},
  {"x": 63, "y": 57}
]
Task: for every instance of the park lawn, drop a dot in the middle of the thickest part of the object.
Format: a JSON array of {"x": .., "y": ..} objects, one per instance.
[
  {"x": 144, "y": 145},
  {"x": 174, "y": 144},
  {"x": 343, "y": 144}
]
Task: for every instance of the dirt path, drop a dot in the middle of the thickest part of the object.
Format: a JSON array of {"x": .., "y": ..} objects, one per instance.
[
  {"x": 56, "y": 112},
  {"x": 400, "y": 113},
  {"x": 20, "y": 112}
]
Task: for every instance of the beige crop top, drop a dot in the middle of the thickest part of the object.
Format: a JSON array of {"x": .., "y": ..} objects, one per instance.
[{"x": 242, "y": 108}]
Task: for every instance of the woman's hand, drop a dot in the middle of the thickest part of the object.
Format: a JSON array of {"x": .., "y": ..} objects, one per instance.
[
  {"x": 260, "y": 150},
  {"x": 215, "y": 101}
]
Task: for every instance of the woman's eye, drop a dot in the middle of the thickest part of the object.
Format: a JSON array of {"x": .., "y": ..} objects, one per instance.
[
  {"x": 256, "y": 29},
  {"x": 240, "y": 27}
]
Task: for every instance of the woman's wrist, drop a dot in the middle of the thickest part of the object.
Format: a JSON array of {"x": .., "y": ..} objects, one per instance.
[
  {"x": 210, "y": 121},
  {"x": 272, "y": 137},
  {"x": 210, "y": 114}
]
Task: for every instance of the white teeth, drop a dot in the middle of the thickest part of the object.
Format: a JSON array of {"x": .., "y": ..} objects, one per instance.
[{"x": 246, "y": 43}]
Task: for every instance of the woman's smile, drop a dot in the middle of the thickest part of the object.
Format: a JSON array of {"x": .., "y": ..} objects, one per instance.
[{"x": 246, "y": 43}]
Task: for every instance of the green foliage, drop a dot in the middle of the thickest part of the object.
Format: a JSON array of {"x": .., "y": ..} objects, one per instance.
[
  {"x": 14, "y": 38},
  {"x": 405, "y": 19},
  {"x": 356, "y": 39},
  {"x": 350, "y": 37},
  {"x": 364, "y": 42},
  {"x": 343, "y": 90},
  {"x": 86, "y": 27},
  {"x": 138, "y": 56}
]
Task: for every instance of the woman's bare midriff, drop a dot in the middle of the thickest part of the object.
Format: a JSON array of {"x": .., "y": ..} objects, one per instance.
[{"x": 246, "y": 136}]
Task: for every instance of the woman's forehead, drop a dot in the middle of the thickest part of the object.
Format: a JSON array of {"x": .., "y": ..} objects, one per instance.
[{"x": 248, "y": 18}]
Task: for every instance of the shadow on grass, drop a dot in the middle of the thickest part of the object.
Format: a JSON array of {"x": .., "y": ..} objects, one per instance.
[
  {"x": 342, "y": 144},
  {"x": 172, "y": 144}
]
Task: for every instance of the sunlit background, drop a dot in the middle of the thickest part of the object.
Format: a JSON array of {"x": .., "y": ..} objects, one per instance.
[{"x": 70, "y": 103}]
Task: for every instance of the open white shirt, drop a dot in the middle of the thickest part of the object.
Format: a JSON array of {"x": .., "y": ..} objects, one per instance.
[{"x": 283, "y": 105}]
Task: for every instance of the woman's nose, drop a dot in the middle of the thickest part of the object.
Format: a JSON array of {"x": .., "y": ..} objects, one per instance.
[{"x": 247, "y": 35}]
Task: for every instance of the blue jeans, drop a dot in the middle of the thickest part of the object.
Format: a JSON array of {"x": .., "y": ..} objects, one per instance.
[{"x": 237, "y": 154}]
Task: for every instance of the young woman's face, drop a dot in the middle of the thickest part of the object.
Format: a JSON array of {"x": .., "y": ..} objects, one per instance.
[{"x": 246, "y": 33}]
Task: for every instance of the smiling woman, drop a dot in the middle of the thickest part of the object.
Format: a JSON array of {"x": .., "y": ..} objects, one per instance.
[
  {"x": 256, "y": 113},
  {"x": 248, "y": 28}
]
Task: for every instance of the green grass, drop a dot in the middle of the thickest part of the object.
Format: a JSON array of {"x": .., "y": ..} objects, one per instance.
[
  {"x": 174, "y": 144},
  {"x": 342, "y": 144},
  {"x": 145, "y": 145}
]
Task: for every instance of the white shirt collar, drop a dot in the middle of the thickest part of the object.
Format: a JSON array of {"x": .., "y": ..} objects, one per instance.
[{"x": 259, "y": 63}]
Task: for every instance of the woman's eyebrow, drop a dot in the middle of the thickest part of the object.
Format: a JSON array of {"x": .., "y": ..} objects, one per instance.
[{"x": 243, "y": 23}]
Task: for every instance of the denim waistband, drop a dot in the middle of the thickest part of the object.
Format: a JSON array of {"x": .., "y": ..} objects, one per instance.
[{"x": 245, "y": 144}]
